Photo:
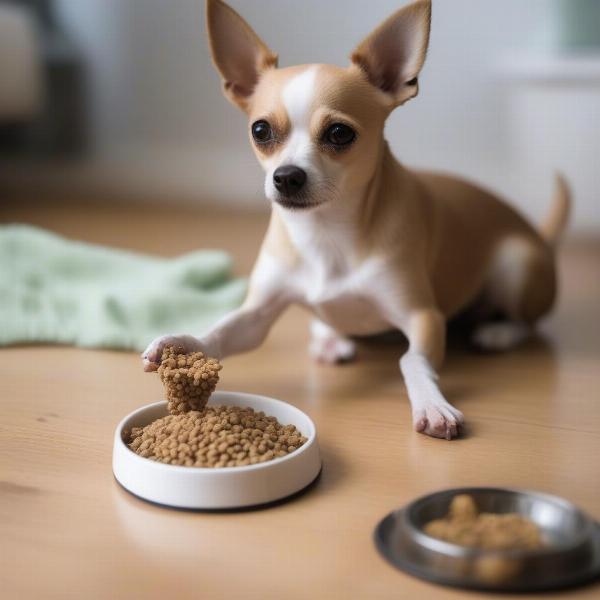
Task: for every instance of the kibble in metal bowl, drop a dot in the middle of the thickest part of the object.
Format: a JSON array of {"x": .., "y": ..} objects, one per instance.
[
  {"x": 466, "y": 526},
  {"x": 492, "y": 539}
]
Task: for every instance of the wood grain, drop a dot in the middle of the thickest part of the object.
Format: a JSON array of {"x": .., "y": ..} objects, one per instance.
[{"x": 67, "y": 530}]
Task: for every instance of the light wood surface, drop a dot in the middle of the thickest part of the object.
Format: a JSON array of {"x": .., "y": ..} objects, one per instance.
[{"x": 67, "y": 530}]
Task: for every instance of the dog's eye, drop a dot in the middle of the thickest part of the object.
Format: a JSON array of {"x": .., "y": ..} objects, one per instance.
[
  {"x": 262, "y": 132},
  {"x": 339, "y": 135}
]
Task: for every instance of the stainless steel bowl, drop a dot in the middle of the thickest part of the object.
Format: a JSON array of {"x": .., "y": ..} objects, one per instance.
[{"x": 571, "y": 554}]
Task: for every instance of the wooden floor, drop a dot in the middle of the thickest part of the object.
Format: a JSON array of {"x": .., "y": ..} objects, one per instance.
[{"x": 67, "y": 530}]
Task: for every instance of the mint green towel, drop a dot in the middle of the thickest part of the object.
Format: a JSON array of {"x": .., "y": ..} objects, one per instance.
[{"x": 61, "y": 291}]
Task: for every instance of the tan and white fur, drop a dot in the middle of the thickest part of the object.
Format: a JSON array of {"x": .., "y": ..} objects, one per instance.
[{"x": 367, "y": 245}]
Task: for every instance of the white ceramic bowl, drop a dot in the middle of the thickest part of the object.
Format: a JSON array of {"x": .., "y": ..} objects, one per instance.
[{"x": 229, "y": 487}]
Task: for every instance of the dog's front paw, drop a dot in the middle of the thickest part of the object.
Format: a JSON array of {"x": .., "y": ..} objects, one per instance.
[
  {"x": 152, "y": 355},
  {"x": 438, "y": 420}
]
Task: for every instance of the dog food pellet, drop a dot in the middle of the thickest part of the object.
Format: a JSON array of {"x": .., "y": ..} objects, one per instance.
[
  {"x": 189, "y": 379},
  {"x": 217, "y": 436},
  {"x": 465, "y": 526}
]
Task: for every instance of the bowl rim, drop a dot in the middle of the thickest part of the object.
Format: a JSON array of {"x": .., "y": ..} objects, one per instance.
[
  {"x": 457, "y": 550},
  {"x": 222, "y": 472}
]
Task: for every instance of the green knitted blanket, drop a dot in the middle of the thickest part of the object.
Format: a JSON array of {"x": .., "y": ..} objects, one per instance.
[{"x": 62, "y": 291}]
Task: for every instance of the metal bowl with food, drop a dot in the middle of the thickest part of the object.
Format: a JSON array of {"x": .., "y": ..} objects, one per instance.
[{"x": 568, "y": 553}]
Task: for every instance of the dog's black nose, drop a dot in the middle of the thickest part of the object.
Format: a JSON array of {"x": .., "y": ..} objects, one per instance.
[{"x": 289, "y": 180}]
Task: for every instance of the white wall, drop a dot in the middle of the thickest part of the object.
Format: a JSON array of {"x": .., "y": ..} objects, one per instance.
[{"x": 161, "y": 124}]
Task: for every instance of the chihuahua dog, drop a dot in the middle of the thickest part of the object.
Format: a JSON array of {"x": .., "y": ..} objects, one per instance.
[{"x": 365, "y": 244}]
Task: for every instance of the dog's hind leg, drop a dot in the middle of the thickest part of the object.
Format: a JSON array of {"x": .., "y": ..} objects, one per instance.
[
  {"x": 500, "y": 336},
  {"x": 521, "y": 287},
  {"x": 328, "y": 346}
]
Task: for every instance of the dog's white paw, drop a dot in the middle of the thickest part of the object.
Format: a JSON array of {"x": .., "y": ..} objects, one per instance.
[
  {"x": 500, "y": 336},
  {"x": 440, "y": 420},
  {"x": 332, "y": 349},
  {"x": 328, "y": 346},
  {"x": 152, "y": 354},
  {"x": 432, "y": 414}
]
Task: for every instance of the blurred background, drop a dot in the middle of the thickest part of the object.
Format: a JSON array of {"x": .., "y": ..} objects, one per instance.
[{"x": 117, "y": 99}]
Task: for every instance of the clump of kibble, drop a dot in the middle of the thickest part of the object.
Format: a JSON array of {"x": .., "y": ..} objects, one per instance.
[
  {"x": 466, "y": 526},
  {"x": 189, "y": 379},
  {"x": 217, "y": 436}
]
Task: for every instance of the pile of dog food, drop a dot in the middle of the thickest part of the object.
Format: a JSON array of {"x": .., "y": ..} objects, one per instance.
[
  {"x": 464, "y": 525},
  {"x": 196, "y": 435},
  {"x": 189, "y": 379}
]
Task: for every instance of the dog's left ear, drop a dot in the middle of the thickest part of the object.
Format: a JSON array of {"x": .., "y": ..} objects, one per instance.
[
  {"x": 392, "y": 56},
  {"x": 238, "y": 53}
]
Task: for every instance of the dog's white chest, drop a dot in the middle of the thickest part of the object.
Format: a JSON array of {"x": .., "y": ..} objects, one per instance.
[
  {"x": 338, "y": 286},
  {"x": 345, "y": 298}
]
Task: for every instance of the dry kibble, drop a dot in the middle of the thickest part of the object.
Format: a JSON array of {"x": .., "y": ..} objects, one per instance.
[
  {"x": 182, "y": 439},
  {"x": 462, "y": 507},
  {"x": 491, "y": 531},
  {"x": 196, "y": 435},
  {"x": 189, "y": 379}
]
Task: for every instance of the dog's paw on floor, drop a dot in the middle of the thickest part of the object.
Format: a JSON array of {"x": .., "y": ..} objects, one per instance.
[
  {"x": 332, "y": 350},
  {"x": 499, "y": 336},
  {"x": 439, "y": 420}
]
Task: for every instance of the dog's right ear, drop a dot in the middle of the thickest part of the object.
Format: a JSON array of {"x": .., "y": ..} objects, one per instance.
[{"x": 238, "y": 53}]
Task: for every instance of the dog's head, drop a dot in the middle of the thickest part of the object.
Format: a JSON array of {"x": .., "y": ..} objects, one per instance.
[{"x": 317, "y": 130}]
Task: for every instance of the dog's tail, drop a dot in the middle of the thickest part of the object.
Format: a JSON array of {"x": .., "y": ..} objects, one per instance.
[{"x": 557, "y": 219}]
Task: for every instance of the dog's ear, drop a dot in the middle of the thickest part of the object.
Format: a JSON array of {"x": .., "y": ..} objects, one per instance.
[
  {"x": 238, "y": 53},
  {"x": 392, "y": 56}
]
